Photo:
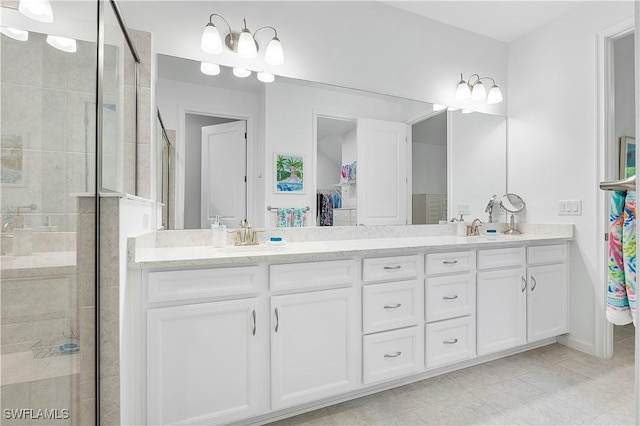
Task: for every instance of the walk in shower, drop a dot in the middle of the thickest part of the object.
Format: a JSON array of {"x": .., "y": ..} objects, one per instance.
[{"x": 68, "y": 132}]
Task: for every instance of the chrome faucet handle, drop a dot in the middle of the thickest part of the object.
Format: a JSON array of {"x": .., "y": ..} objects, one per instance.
[{"x": 253, "y": 236}]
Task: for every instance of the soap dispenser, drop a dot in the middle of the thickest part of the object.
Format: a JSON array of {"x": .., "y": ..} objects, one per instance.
[
  {"x": 461, "y": 229},
  {"x": 219, "y": 233}
]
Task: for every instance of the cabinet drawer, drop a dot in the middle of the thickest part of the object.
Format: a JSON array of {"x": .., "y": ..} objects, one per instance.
[
  {"x": 341, "y": 215},
  {"x": 168, "y": 286},
  {"x": 443, "y": 263},
  {"x": 390, "y": 305},
  {"x": 392, "y": 354},
  {"x": 450, "y": 296},
  {"x": 556, "y": 253},
  {"x": 389, "y": 268},
  {"x": 312, "y": 274},
  {"x": 501, "y": 258},
  {"x": 450, "y": 341}
]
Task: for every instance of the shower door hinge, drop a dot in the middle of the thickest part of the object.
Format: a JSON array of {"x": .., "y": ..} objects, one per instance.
[
  {"x": 245, "y": 135},
  {"x": 606, "y": 236},
  {"x": 245, "y": 179}
]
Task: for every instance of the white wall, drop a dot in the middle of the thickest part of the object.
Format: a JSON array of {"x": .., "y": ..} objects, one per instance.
[
  {"x": 338, "y": 43},
  {"x": 625, "y": 85},
  {"x": 174, "y": 98},
  {"x": 553, "y": 139},
  {"x": 328, "y": 163},
  {"x": 429, "y": 156}
]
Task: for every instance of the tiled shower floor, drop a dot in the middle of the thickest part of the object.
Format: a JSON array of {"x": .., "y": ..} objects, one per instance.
[{"x": 552, "y": 385}]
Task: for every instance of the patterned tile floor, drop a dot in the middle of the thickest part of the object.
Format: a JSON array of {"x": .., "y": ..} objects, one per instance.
[{"x": 552, "y": 385}]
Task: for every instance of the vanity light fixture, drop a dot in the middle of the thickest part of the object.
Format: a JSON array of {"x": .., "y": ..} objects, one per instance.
[
  {"x": 20, "y": 35},
  {"x": 475, "y": 90},
  {"x": 438, "y": 107},
  {"x": 62, "y": 43},
  {"x": 241, "y": 72},
  {"x": 209, "y": 68},
  {"x": 265, "y": 77},
  {"x": 38, "y": 10},
  {"x": 243, "y": 43},
  {"x": 467, "y": 111},
  {"x": 452, "y": 109}
]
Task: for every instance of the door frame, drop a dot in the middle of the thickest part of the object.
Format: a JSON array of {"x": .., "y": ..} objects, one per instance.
[
  {"x": 251, "y": 162},
  {"x": 607, "y": 162}
]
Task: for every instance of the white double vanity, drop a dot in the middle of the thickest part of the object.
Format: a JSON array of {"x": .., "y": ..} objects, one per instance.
[{"x": 250, "y": 334}]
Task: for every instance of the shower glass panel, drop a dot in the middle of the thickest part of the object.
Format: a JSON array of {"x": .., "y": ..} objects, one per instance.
[{"x": 47, "y": 193}]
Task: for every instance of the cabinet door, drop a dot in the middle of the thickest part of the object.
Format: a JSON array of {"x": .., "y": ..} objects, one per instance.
[
  {"x": 314, "y": 340},
  {"x": 502, "y": 310},
  {"x": 382, "y": 172},
  {"x": 203, "y": 363},
  {"x": 547, "y": 301}
]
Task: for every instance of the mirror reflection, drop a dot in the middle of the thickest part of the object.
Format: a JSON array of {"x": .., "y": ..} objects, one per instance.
[{"x": 368, "y": 158}]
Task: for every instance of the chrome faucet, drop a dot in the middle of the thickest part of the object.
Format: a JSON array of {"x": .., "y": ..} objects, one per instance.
[
  {"x": 473, "y": 229},
  {"x": 489, "y": 208}
]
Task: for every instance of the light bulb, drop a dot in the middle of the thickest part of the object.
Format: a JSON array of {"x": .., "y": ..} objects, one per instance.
[
  {"x": 438, "y": 107},
  {"x": 274, "y": 54},
  {"x": 211, "y": 42},
  {"x": 209, "y": 68},
  {"x": 247, "y": 45},
  {"x": 62, "y": 43},
  {"x": 266, "y": 77},
  {"x": 478, "y": 92},
  {"x": 39, "y": 10},
  {"x": 241, "y": 72},
  {"x": 462, "y": 91},
  {"x": 15, "y": 34},
  {"x": 494, "y": 96}
]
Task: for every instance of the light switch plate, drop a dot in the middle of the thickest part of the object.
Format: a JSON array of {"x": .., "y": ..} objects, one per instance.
[{"x": 570, "y": 208}]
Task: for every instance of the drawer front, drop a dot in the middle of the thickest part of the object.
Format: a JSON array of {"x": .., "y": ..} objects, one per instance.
[
  {"x": 392, "y": 354},
  {"x": 556, "y": 253},
  {"x": 450, "y": 296},
  {"x": 390, "y": 305},
  {"x": 444, "y": 263},
  {"x": 341, "y": 215},
  {"x": 450, "y": 341},
  {"x": 293, "y": 276},
  {"x": 389, "y": 268},
  {"x": 501, "y": 258},
  {"x": 168, "y": 286}
]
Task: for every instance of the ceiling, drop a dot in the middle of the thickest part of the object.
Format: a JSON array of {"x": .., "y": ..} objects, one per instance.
[{"x": 505, "y": 20}]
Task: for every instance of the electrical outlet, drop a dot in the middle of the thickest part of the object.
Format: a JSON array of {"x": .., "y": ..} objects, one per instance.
[
  {"x": 463, "y": 208},
  {"x": 570, "y": 208}
]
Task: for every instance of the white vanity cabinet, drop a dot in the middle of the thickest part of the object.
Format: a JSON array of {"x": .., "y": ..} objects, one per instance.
[
  {"x": 205, "y": 357},
  {"x": 522, "y": 296},
  {"x": 314, "y": 335}
]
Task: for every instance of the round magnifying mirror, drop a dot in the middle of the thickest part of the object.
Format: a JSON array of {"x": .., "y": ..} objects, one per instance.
[{"x": 512, "y": 203}]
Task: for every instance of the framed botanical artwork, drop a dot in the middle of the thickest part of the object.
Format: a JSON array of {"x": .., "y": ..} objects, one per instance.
[
  {"x": 12, "y": 161},
  {"x": 627, "y": 156},
  {"x": 289, "y": 173}
]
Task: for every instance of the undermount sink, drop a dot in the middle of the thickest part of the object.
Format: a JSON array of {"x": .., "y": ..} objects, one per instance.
[{"x": 250, "y": 249}]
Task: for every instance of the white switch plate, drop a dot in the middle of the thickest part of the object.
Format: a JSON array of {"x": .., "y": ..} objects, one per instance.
[
  {"x": 570, "y": 208},
  {"x": 463, "y": 208}
]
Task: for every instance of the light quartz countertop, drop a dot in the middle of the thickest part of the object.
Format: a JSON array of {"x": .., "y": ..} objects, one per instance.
[
  {"x": 185, "y": 256},
  {"x": 38, "y": 264}
]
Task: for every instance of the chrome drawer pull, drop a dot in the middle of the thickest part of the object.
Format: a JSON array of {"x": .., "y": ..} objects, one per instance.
[
  {"x": 449, "y": 262},
  {"x": 277, "y": 321},
  {"x": 396, "y": 306},
  {"x": 524, "y": 287},
  {"x": 397, "y": 354},
  {"x": 533, "y": 287},
  {"x": 254, "y": 322},
  {"x": 450, "y": 342},
  {"x": 454, "y": 297},
  {"x": 392, "y": 268}
]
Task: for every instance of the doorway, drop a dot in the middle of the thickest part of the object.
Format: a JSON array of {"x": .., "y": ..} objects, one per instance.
[{"x": 193, "y": 159}]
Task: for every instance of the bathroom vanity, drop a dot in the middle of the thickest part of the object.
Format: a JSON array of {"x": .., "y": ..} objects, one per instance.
[{"x": 253, "y": 334}]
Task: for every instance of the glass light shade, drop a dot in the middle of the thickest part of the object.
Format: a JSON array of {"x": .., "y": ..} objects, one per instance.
[
  {"x": 494, "y": 96},
  {"x": 247, "y": 45},
  {"x": 274, "y": 54},
  {"x": 467, "y": 111},
  {"x": 38, "y": 10},
  {"x": 241, "y": 72},
  {"x": 211, "y": 41},
  {"x": 62, "y": 43},
  {"x": 15, "y": 34},
  {"x": 462, "y": 91},
  {"x": 209, "y": 68},
  {"x": 438, "y": 107},
  {"x": 265, "y": 77},
  {"x": 478, "y": 92}
]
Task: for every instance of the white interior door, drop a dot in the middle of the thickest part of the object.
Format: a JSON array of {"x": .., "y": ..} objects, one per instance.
[
  {"x": 382, "y": 178},
  {"x": 224, "y": 182}
]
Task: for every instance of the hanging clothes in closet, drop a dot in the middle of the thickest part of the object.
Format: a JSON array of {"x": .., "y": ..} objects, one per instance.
[
  {"x": 621, "y": 280},
  {"x": 324, "y": 208}
]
